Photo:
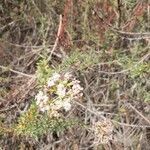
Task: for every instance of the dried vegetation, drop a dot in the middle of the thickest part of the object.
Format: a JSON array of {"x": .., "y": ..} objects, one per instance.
[{"x": 105, "y": 44}]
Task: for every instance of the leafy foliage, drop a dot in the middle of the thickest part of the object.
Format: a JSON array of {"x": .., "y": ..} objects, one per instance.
[
  {"x": 43, "y": 71},
  {"x": 80, "y": 60},
  {"x": 34, "y": 124}
]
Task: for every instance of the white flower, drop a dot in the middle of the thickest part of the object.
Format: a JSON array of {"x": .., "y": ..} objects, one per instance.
[
  {"x": 42, "y": 109},
  {"x": 67, "y": 75},
  {"x": 61, "y": 90},
  {"x": 54, "y": 113},
  {"x": 41, "y": 97},
  {"x": 42, "y": 101},
  {"x": 74, "y": 82},
  {"x": 45, "y": 99},
  {"x": 41, "y": 105},
  {"x": 47, "y": 107},
  {"x": 76, "y": 89},
  {"x": 51, "y": 81},
  {"x": 55, "y": 76},
  {"x": 66, "y": 104},
  {"x": 57, "y": 104}
]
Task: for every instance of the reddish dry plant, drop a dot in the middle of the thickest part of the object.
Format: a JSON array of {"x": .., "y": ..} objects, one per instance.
[
  {"x": 109, "y": 13},
  {"x": 64, "y": 37},
  {"x": 137, "y": 12}
]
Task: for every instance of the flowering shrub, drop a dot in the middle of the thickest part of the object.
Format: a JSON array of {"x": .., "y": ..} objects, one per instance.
[
  {"x": 45, "y": 114},
  {"x": 33, "y": 124},
  {"x": 58, "y": 93}
]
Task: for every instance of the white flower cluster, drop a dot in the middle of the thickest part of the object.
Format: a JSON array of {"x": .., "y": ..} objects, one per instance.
[
  {"x": 59, "y": 93},
  {"x": 42, "y": 101}
]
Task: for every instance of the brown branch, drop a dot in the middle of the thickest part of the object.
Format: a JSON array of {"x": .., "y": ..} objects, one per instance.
[
  {"x": 57, "y": 39},
  {"x": 139, "y": 113},
  {"x": 134, "y": 35},
  {"x": 17, "y": 72},
  {"x": 120, "y": 12}
]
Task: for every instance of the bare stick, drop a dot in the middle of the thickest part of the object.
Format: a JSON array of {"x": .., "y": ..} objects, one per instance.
[
  {"x": 125, "y": 34},
  {"x": 139, "y": 113},
  {"x": 57, "y": 39},
  {"x": 18, "y": 72},
  {"x": 100, "y": 114}
]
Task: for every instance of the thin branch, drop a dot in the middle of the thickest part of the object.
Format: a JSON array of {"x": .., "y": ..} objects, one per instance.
[
  {"x": 57, "y": 39},
  {"x": 120, "y": 12},
  {"x": 17, "y": 72},
  {"x": 100, "y": 114},
  {"x": 133, "y": 35},
  {"x": 7, "y": 25},
  {"x": 26, "y": 46},
  {"x": 139, "y": 113},
  {"x": 8, "y": 108},
  {"x": 148, "y": 13}
]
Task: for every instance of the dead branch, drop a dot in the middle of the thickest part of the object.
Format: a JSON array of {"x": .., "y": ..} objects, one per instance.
[
  {"x": 57, "y": 38},
  {"x": 133, "y": 35}
]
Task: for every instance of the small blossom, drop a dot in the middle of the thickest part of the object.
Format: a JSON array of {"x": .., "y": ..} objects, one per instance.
[
  {"x": 57, "y": 105},
  {"x": 53, "y": 113},
  {"x": 53, "y": 79},
  {"x": 50, "y": 83},
  {"x": 67, "y": 75},
  {"x": 76, "y": 89},
  {"x": 62, "y": 103},
  {"x": 66, "y": 104},
  {"x": 42, "y": 101},
  {"x": 45, "y": 99},
  {"x": 41, "y": 97},
  {"x": 61, "y": 90},
  {"x": 55, "y": 76},
  {"x": 45, "y": 108}
]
